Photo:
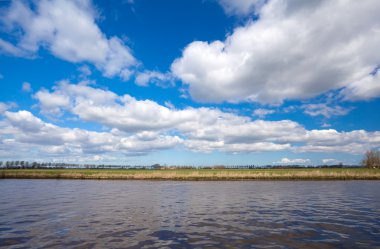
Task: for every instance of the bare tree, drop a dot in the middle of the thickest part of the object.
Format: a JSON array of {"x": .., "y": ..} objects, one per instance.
[{"x": 371, "y": 159}]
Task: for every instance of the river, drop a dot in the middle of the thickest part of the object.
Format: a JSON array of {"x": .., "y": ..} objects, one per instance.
[{"x": 185, "y": 214}]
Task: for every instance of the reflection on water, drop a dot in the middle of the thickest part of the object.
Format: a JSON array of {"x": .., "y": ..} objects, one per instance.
[{"x": 151, "y": 214}]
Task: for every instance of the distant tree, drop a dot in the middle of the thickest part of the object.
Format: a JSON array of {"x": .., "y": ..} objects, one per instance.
[
  {"x": 371, "y": 159},
  {"x": 156, "y": 166}
]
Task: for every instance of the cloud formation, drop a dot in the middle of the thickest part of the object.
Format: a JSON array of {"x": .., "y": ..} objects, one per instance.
[
  {"x": 68, "y": 30},
  {"x": 295, "y": 50},
  {"x": 200, "y": 129},
  {"x": 23, "y": 130},
  {"x": 138, "y": 127}
]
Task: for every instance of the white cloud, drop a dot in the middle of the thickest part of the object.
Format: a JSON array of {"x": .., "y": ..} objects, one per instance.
[
  {"x": 363, "y": 89},
  {"x": 122, "y": 112},
  {"x": 291, "y": 52},
  {"x": 324, "y": 110},
  {"x": 135, "y": 145},
  {"x": 23, "y": 130},
  {"x": 51, "y": 104},
  {"x": 199, "y": 129},
  {"x": 146, "y": 77},
  {"x": 261, "y": 113},
  {"x": 256, "y": 147},
  {"x": 25, "y": 121},
  {"x": 66, "y": 95},
  {"x": 26, "y": 87},
  {"x": 241, "y": 7},
  {"x": 293, "y": 161},
  {"x": 68, "y": 30}
]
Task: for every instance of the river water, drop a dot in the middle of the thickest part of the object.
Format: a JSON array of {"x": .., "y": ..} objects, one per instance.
[{"x": 164, "y": 214}]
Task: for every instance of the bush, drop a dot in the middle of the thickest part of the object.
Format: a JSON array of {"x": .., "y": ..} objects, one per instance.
[{"x": 371, "y": 159}]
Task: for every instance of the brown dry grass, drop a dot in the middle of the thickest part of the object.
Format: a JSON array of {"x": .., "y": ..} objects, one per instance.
[{"x": 201, "y": 174}]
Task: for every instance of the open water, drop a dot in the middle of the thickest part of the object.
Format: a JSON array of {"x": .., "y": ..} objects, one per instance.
[{"x": 164, "y": 214}]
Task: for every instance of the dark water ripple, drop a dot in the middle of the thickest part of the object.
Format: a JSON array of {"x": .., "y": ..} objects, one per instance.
[{"x": 153, "y": 214}]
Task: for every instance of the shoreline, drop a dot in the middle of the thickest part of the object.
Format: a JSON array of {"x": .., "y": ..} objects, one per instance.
[{"x": 195, "y": 174}]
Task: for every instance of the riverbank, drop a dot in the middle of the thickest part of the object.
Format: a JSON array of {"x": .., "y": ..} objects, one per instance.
[{"x": 196, "y": 174}]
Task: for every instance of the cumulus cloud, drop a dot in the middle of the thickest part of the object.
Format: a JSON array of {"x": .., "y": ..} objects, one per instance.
[
  {"x": 22, "y": 129},
  {"x": 135, "y": 145},
  {"x": 66, "y": 95},
  {"x": 122, "y": 112},
  {"x": 51, "y": 104},
  {"x": 291, "y": 52},
  {"x": 198, "y": 129},
  {"x": 293, "y": 161},
  {"x": 68, "y": 30}
]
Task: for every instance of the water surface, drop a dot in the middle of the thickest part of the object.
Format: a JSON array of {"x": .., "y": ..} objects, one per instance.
[{"x": 164, "y": 214}]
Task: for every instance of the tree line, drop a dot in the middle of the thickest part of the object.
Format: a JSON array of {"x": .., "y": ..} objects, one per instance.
[
  {"x": 371, "y": 159},
  {"x": 60, "y": 165}
]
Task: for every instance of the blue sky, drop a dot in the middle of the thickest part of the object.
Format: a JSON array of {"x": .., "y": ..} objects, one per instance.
[{"x": 189, "y": 82}]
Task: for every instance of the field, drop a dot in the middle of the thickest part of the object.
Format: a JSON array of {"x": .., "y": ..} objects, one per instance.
[{"x": 197, "y": 174}]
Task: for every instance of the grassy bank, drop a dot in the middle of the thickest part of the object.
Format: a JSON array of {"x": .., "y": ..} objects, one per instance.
[{"x": 191, "y": 174}]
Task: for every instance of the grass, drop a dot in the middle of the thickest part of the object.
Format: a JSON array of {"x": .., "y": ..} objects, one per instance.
[{"x": 197, "y": 174}]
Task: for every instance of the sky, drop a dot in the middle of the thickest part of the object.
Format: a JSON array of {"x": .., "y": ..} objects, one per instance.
[{"x": 190, "y": 82}]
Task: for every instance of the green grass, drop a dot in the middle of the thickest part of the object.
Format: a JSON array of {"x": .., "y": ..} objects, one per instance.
[{"x": 197, "y": 174}]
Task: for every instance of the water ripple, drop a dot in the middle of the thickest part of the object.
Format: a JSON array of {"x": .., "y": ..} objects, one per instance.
[{"x": 151, "y": 214}]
